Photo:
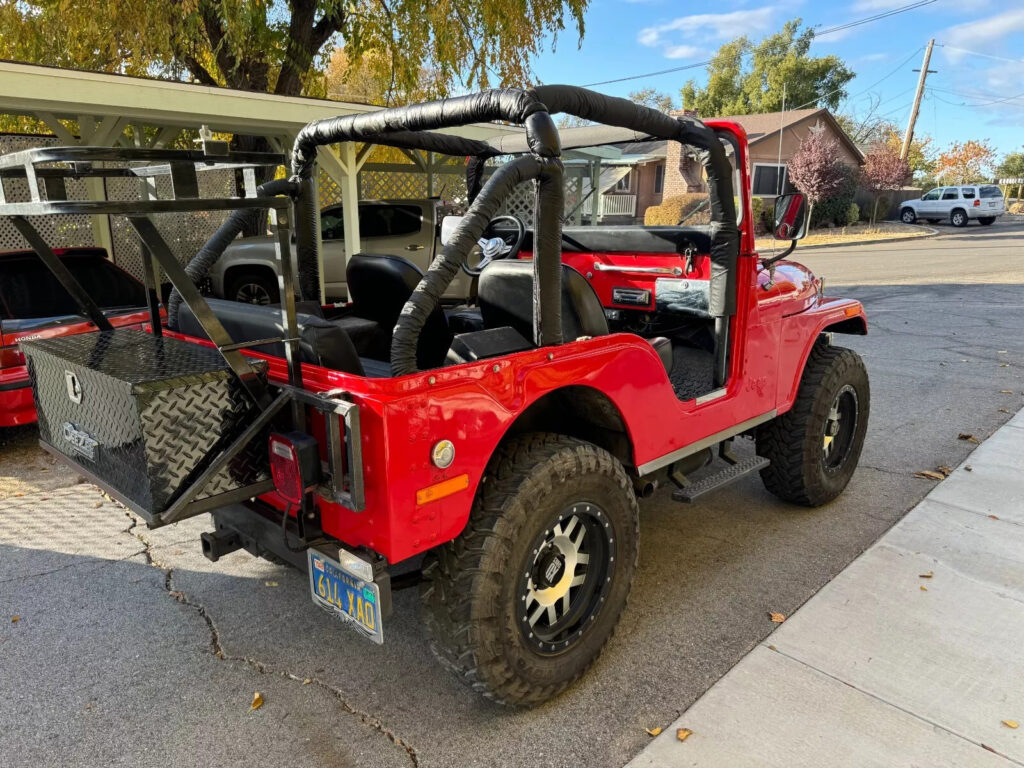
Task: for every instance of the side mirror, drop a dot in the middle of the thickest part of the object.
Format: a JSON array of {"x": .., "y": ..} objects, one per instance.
[
  {"x": 790, "y": 217},
  {"x": 448, "y": 227}
]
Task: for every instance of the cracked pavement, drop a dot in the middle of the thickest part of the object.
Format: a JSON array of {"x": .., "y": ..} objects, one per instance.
[{"x": 133, "y": 649}]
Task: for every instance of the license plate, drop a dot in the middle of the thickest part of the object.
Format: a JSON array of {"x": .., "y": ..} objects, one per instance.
[{"x": 345, "y": 595}]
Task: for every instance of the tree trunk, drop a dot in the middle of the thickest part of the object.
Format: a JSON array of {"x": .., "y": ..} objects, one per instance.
[{"x": 874, "y": 210}]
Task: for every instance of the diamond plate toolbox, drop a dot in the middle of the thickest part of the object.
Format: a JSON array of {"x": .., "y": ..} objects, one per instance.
[{"x": 142, "y": 415}]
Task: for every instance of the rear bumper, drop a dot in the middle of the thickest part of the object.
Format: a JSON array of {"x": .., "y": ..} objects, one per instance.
[{"x": 16, "y": 404}]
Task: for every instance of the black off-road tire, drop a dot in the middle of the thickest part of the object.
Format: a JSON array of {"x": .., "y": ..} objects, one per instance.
[
  {"x": 908, "y": 215},
  {"x": 987, "y": 220},
  {"x": 958, "y": 217},
  {"x": 799, "y": 471},
  {"x": 471, "y": 586}
]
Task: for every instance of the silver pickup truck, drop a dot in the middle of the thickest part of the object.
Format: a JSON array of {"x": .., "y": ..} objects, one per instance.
[{"x": 247, "y": 271}]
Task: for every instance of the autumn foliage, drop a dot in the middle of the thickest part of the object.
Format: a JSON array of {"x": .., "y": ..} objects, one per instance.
[
  {"x": 883, "y": 169},
  {"x": 816, "y": 169},
  {"x": 965, "y": 162}
]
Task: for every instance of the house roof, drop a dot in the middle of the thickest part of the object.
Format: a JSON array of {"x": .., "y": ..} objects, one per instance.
[{"x": 767, "y": 125}]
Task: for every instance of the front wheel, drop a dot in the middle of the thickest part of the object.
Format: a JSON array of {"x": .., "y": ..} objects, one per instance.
[
  {"x": 958, "y": 218},
  {"x": 253, "y": 287},
  {"x": 814, "y": 447},
  {"x": 523, "y": 601},
  {"x": 986, "y": 220},
  {"x": 908, "y": 216}
]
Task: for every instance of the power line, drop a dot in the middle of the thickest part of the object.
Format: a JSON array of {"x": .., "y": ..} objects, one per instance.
[
  {"x": 979, "y": 53},
  {"x": 873, "y": 85},
  {"x": 994, "y": 99},
  {"x": 817, "y": 33}
]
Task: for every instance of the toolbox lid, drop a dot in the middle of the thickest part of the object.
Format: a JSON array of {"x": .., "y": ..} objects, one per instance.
[{"x": 136, "y": 357}]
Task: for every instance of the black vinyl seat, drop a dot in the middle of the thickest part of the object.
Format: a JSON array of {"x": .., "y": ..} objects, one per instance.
[
  {"x": 380, "y": 285},
  {"x": 506, "y": 299},
  {"x": 321, "y": 342}
]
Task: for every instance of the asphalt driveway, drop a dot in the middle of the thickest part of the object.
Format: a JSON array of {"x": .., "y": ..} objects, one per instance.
[{"x": 131, "y": 649}]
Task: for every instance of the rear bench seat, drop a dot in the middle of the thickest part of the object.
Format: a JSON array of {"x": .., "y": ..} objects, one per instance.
[{"x": 321, "y": 342}]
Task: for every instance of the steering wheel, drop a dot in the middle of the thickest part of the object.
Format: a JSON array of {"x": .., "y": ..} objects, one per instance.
[{"x": 493, "y": 248}]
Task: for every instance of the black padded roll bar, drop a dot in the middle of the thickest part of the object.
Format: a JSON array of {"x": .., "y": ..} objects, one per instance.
[
  {"x": 610, "y": 110},
  {"x": 399, "y": 126},
  {"x": 547, "y": 327}
]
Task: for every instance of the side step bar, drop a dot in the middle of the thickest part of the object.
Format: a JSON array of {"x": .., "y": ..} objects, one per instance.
[{"x": 693, "y": 491}]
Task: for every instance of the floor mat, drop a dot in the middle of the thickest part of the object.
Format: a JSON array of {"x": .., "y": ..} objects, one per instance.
[{"x": 692, "y": 372}]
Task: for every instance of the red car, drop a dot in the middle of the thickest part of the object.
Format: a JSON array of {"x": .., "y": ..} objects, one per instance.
[{"x": 33, "y": 305}]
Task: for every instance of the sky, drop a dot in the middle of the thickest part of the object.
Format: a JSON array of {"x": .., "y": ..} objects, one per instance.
[{"x": 978, "y": 54}]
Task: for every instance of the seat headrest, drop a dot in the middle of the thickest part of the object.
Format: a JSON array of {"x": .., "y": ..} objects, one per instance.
[{"x": 506, "y": 298}]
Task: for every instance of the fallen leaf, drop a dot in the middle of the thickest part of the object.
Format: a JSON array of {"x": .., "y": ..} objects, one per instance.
[
  {"x": 179, "y": 596},
  {"x": 968, "y": 437},
  {"x": 776, "y": 618},
  {"x": 928, "y": 474},
  {"x": 307, "y": 681},
  {"x": 1011, "y": 723},
  {"x": 97, "y": 505},
  {"x": 772, "y": 648},
  {"x": 653, "y": 731},
  {"x": 257, "y": 701},
  {"x": 946, "y": 471},
  {"x": 968, "y": 468},
  {"x": 1005, "y": 391},
  {"x": 926, "y": 575},
  {"x": 270, "y": 583},
  {"x": 15, "y": 619},
  {"x": 993, "y": 517},
  {"x": 1004, "y": 365},
  {"x": 924, "y": 588},
  {"x": 684, "y": 733},
  {"x": 1003, "y": 410}
]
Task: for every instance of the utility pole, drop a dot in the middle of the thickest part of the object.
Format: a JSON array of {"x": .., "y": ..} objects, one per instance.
[{"x": 909, "y": 135}]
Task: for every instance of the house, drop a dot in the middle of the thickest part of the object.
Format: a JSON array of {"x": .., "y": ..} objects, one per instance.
[{"x": 773, "y": 137}]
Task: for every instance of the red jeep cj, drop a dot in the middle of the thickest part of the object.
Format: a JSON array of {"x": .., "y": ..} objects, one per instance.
[{"x": 493, "y": 453}]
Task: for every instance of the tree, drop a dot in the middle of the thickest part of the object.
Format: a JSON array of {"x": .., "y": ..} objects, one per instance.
[
  {"x": 782, "y": 59},
  {"x": 883, "y": 169},
  {"x": 281, "y": 47},
  {"x": 866, "y": 128},
  {"x": 921, "y": 155},
  {"x": 649, "y": 97},
  {"x": 1011, "y": 167},
  {"x": 816, "y": 170},
  {"x": 965, "y": 162}
]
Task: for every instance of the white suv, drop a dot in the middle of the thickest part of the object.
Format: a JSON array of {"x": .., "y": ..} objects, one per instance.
[{"x": 958, "y": 205}]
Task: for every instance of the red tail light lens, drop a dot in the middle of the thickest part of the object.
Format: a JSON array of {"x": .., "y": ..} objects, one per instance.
[
  {"x": 294, "y": 464},
  {"x": 11, "y": 357},
  {"x": 977, "y": 203}
]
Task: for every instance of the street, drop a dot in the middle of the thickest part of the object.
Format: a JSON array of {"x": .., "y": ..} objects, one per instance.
[{"x": 130, "y": 648}]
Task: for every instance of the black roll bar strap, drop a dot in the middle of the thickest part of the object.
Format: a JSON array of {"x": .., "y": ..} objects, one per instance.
[
  {"x": 158, "y": 248},
  {"x": 547, "y": 257},
  {"x": 68, "y": 282}
]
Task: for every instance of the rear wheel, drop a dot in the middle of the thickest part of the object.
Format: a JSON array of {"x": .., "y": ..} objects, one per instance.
[
  {"x": 986, "y": 220},
  {"x": 523, "y": 601},
  {"x": 908, "y": 216},
  {"x": 958, "y": 218},
  {"x": 253, "y": 287},
  {"x": 814, "y": 447}
]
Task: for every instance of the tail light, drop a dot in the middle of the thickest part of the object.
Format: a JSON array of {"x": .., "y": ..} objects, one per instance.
[
  {"x": 977, "y": 203},
  {"x": 294, "y": 464},
  {"x": 11, "y": 357}
]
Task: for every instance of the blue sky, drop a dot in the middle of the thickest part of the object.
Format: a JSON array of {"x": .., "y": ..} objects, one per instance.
[{"x": 979, "y": 65}]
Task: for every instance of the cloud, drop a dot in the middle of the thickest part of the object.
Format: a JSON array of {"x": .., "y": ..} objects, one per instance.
[
  {"x": 705, "y": 26},
  {"x": 874, "y": 57},
  {"x": 681, "y": 51},
  {"x": 985, "y": 32}
]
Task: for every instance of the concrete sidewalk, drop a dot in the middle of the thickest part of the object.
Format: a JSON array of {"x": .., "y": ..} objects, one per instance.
[{"x": 912, "y": 656}]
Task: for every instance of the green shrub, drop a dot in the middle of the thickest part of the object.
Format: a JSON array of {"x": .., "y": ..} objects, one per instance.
[
  {"x": 852, "y": 214},
  {"x": 833, "y": 211},
  {"x": 674, "y": 209}
]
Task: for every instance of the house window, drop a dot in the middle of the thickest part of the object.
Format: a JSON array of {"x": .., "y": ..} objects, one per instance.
[
  {"x": 766, "y": 181},
  {"x": 622, "y": 185},
  {"x": 659, "y": 178}
]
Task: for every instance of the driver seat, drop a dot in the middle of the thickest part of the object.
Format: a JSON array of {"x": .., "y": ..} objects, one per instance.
[
  {"x": 380, "y": 285},
  {"x": 506, "y": 299}
]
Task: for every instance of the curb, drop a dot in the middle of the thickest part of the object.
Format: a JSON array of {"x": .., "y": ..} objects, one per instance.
[{"x": 929, "y": 232}]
